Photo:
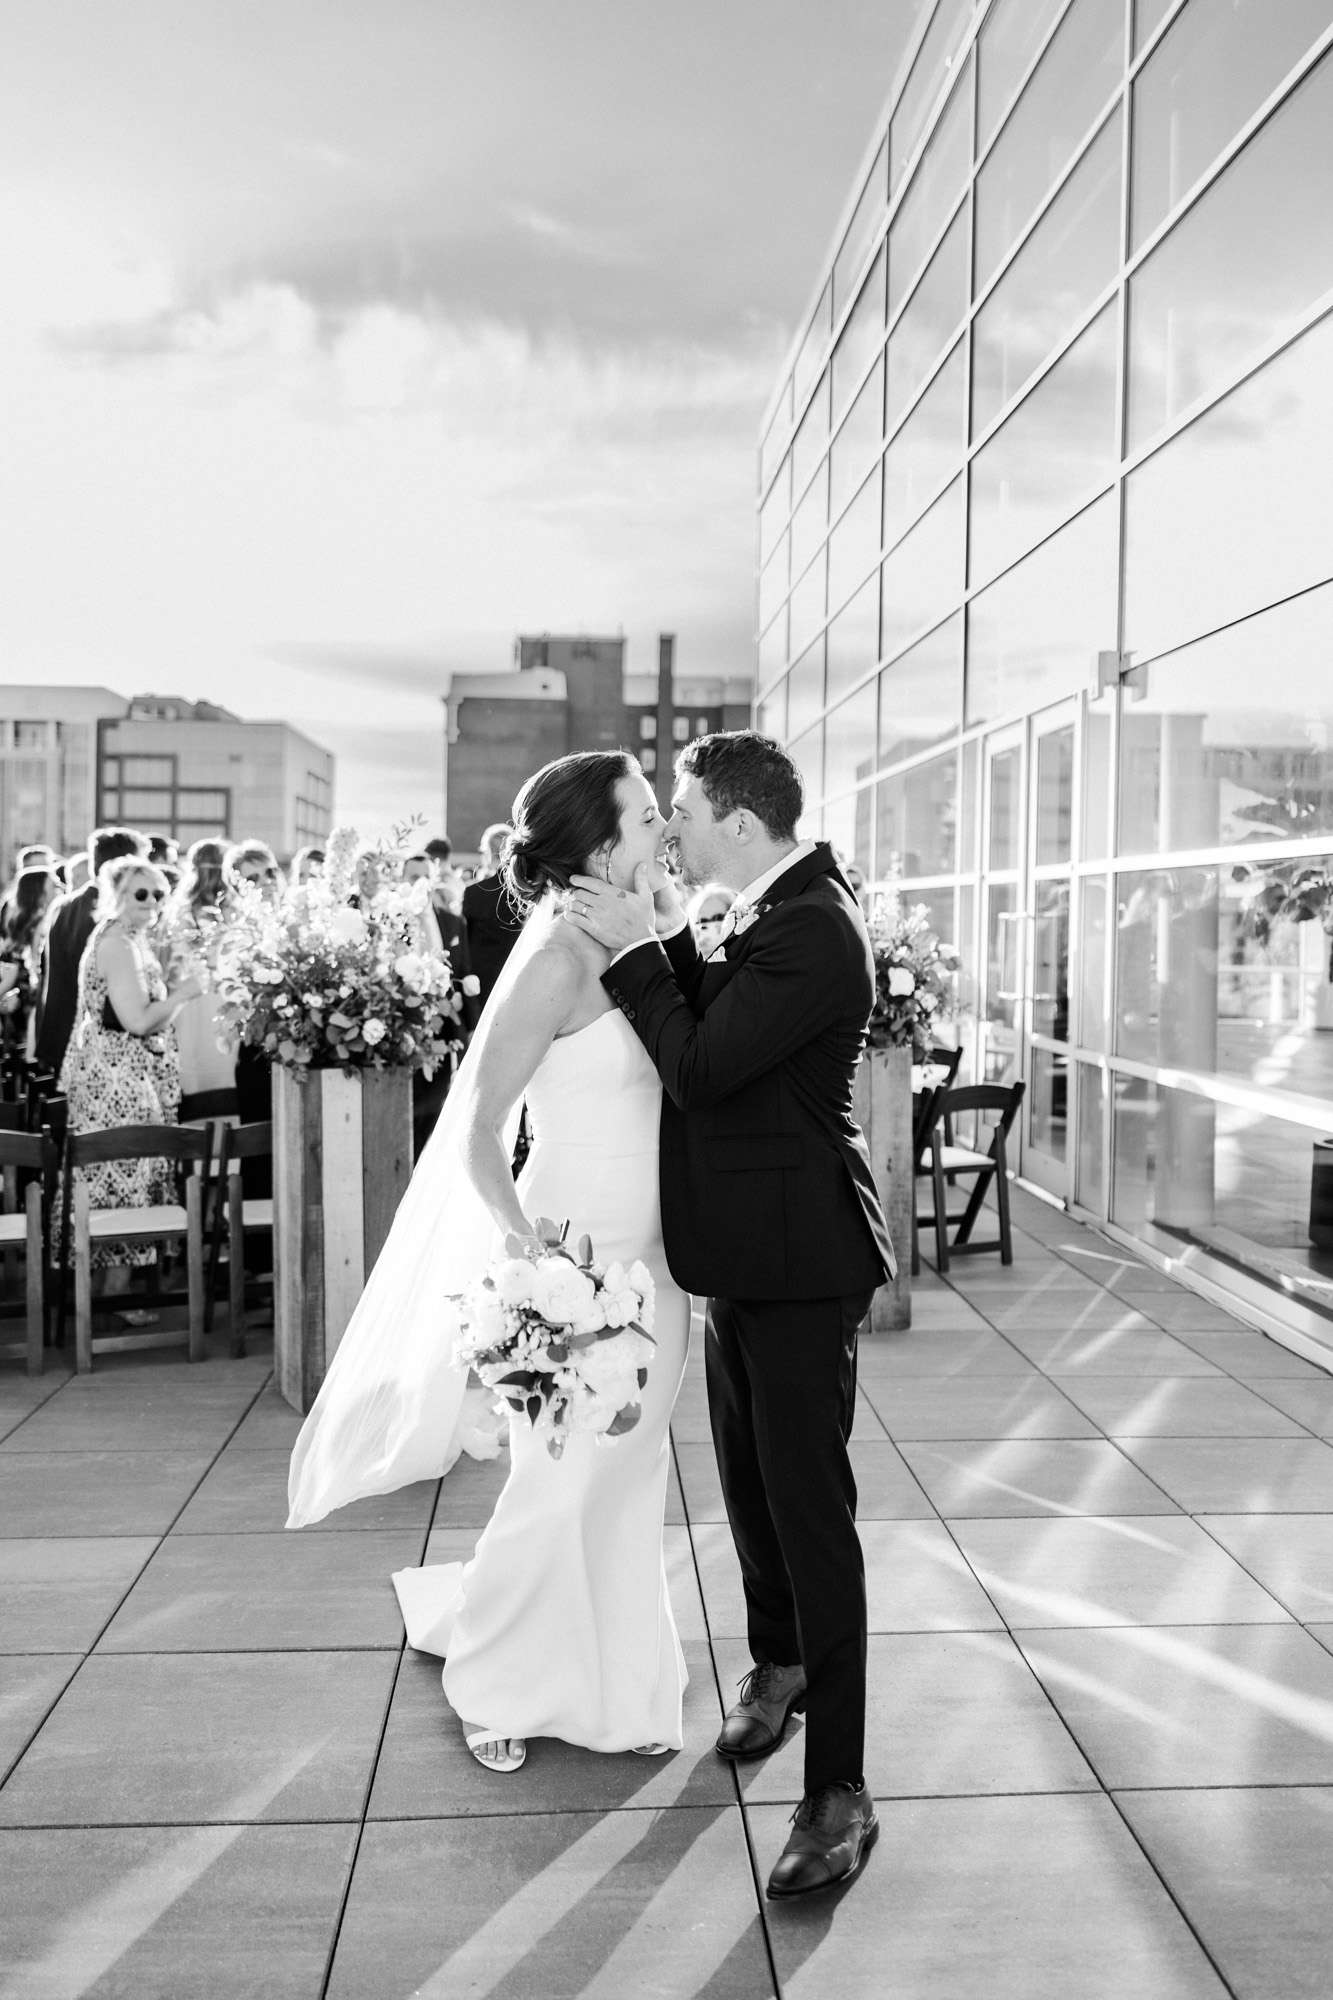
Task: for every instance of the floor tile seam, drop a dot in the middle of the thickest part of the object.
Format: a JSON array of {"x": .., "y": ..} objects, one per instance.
[
  {"x": 116, "y": 1609},
  {"x": 1171, "y": 1625},
  {"x": 360, "y": 1833},
  {"x": 1169, "y": 1892},
  {"x": 1201, "y": 1520},
  {"x": 1308, "y": 1428},
  {"x": 102, "y": 1652},
  {"x": 7, "y": 1770}
]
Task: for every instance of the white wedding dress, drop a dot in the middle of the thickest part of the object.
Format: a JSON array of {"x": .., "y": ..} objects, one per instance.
[{"x": 561, "y": 1624}]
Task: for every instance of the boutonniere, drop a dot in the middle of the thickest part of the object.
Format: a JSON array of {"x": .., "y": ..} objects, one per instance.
[{"x": 739, "y": 919}]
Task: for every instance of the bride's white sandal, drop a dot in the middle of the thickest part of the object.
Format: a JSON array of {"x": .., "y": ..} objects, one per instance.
[
  {"x": 508, "y": 1752},
  {"x": 651, "y": 1749}
]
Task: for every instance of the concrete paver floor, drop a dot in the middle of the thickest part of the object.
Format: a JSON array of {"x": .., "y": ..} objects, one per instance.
[{"x": 1096, "y": 1516}]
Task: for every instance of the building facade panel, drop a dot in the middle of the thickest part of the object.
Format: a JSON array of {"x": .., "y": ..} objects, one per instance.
[{"x": 1098, "y": 689}]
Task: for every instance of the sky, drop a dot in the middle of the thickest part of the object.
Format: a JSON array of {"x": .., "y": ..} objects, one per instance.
[{"x": 343, "y": 340}]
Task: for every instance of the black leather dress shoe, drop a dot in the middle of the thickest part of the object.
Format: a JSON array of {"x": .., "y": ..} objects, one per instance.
[
  {"x": 835, "y": 1829},
  {"x": 769, "y": 1694}
]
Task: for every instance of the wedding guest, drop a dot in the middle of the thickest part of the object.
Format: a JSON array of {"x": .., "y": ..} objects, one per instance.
[
  {"x": 367, "y": 870},
  {"x": 707, "y": 912},
  {"x": 450, "y": 933},
  {"x": 68, "y": 931},
  {"x": 34, "y": 890},
  {"x": 78, "y": 872},
  {"x": 253, "y": 862},
  {"x": 165, "y": 854},
  {"x": 307, "y": 863},
  {"x": 195, "y": 927},
  {"x": 493, "y": 921},
  {"x": 420, "y": 868},
  {"x": 121, "y": 1066}
]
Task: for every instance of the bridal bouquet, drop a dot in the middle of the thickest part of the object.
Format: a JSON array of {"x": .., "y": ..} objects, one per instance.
[
  {"x": 332, "y": 978},
  {"x": 560, "y": 1336}
]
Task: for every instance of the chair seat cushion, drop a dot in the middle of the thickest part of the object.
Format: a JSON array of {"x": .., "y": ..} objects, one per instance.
[
  {"x": 13, "y": 1228},
  {"x": 959, "y": 1159},
  {"x": 169, "y": 1220},
  {"x": 257, "y": 1214}
]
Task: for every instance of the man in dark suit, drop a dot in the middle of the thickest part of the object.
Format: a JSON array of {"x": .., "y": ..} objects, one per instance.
[
  {"x": 68, "y": 931},
  {"x": 769, "y": 1207},
  {"x": 493, "y": 923}
]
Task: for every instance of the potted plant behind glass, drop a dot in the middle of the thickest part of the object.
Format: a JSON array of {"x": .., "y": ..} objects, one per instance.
[
  {"x": 915, "y": 990},
  {"x": 339, "y": 989}
]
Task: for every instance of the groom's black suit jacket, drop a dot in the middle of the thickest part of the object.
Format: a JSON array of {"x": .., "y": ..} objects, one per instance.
[{"x": 767, "y": 1188}]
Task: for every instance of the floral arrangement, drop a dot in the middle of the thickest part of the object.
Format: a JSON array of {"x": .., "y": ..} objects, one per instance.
[
  {"x": 326, "y": 978},
  {"x": 1275, "y": 892},
  {"x": 560, "y": 1336},
  {"x": 915, "y": 980}
]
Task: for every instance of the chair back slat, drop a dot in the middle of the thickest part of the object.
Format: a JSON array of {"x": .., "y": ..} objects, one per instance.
[
  {"x": 1002, "y": 1097},
  {"x": 140, "y": 1142},
  {"x": 247, "y": 1142},
  {"x": 197, "y": 1105},
  {"x": 27, "y": 1149}
]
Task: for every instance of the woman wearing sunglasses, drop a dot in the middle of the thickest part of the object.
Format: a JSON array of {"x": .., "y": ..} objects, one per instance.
[{"x": 121, "y": 1067}]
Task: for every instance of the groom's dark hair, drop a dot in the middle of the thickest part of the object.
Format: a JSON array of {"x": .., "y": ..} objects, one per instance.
[{"x": 739, "y": 768}]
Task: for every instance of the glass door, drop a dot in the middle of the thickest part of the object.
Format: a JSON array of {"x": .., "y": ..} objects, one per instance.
[
  {"x": 1003, "y": 968},
  {"x": 1048, "y": 890}
]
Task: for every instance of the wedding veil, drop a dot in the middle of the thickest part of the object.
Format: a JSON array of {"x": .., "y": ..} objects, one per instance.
[{"x": 391, "y": 1409}]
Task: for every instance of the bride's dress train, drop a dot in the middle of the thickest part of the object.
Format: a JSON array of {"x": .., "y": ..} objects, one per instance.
[{"x": 561, "y": 1624}]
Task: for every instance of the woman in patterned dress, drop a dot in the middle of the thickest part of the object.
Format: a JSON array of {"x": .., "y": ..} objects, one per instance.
[{"x": 121, "y": 1067}]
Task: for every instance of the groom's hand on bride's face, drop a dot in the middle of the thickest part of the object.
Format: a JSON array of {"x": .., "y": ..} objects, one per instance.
[{"x": 615, "y": 917}]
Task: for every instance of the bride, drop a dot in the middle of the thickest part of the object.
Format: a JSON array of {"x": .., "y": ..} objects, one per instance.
[{"x": 561, "y": 1624}]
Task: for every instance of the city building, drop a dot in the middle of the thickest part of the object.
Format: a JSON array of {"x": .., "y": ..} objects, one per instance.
[
  {"x": 1046, "y": 593},
  {"x": 72, "y": 758},
  {"x": 567, "y": 694}
]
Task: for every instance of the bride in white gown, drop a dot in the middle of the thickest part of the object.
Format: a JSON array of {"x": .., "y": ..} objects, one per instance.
[{"x": 561, "y": 1624}]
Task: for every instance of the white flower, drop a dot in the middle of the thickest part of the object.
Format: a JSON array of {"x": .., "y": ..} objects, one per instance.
[
  {"x": 412, "y": 970},
  {"x": 487, "y": 1320},
  {"x": 564, "y": 1294},
  {"x": 312, "y": 1000},
  {"x": 641, "y": 1278},
  {"x": 515, "y": 1281},
  {"x": 929, "y": 1003},
  {"x": 901, "y": 982},
  {"x": 373, "y": 1032},
  {"x": 595, "y": 1318},
  {"x": 347, "y": 925},
  {"x": 611, "y": 1367},
  {"x": 471, "y": 985}
]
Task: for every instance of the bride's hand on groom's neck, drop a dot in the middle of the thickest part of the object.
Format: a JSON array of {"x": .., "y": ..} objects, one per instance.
[{"x": 615, "y": 917}]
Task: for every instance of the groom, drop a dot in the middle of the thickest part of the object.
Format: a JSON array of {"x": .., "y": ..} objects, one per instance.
[{"x": 769, "y": 1208}]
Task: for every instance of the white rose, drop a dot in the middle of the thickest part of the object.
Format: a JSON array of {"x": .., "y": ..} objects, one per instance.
[
  {"x": 615, "y": 1278},
  {"x": 619, "y": 1308},
  {"x": 564, "y": 1294},
  {"x": 411, "y": 969},
  {"x": 515, "y": 1281},
  {"x": 373, "y": 1032},
  {"x": 471, "y": 985},
  {"x": 611, "y": 1367},
  {"x": 901, "y": 982},
  {"x": 347, "y": 925},
  {"x": 641, "y": 1278},
  {"x": 595, "y": 1318}
]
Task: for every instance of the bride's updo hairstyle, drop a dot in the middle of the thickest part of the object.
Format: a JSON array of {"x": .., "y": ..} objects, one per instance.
[{"x": 565, "y": 814}]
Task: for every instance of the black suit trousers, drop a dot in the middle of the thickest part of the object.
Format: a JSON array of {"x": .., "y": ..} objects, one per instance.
[{"x": 781, "y": 1398}]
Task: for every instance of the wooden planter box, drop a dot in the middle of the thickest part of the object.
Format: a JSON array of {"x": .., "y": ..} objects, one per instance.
[
  {"x": 342, "y": 1158},
  {"x": 882, "y": 1106}
]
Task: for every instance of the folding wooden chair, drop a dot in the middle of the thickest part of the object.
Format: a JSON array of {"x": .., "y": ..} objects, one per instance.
[
  {"x": 190, "y": 1147},
  {"x": 955, "y": 1161},
  {"x": 244, "y": 1218},
  {"x": 28, "y": 1226}
]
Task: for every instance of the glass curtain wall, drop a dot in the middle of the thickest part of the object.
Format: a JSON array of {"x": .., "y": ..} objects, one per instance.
[{"x": 1046, "y": 586}]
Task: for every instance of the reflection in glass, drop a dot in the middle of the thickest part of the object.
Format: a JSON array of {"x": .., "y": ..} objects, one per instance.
[
  {"x": 933, "y": 62},
  {"x": 810, "y": 521},
  {"x": 1048, "y": 1097},
  {"x": 923, "y": 577},
  {"x": 926, "y": 449},
  {"x": 805, "y": 689},
  {"x": 1166, "y": 967},
  {"x": 1058, "y": 443},
  {"x": 854, "y": 544},
  {"x": 1034, "y": 636},
  {"x": 811, "y": 438},
  {"x": 1006, "y": 807},
  {"x": 812, "y": 347},
  {"x": 807, "y": 753},
  {"x": 932, "y": 314},
  {"x": 921, "y": 694},
  {"x": 861, "y": 229},
  {"x": 968, "y": 983},
  {"x": 970, "y": 817},
  {"x": 1163, "y": 1160},
  {"x": 1069, "y": 258},
  {"x": 771, "y": 714},
  {"x": 853, "y": 641},
  {"x": 1050, "y": 961},
  {"x": 1148, "y": 14},
  {"x": 850, "y": 824},
  {"x": 1004, "y": 990},
  {"x": 773, "y": 648},
  {"x": 849, "y": 741},
  {"x": 1092, "y": 962},
  {"x": 1070, "y": 85},
  {"x": 938, "y": 905},
  {"x": 775, "y": 437},
  {"x": 773, "y": 514},
  {"x": 1096, "y": 809},
  {"x": 1233, "y": 513},
  {"x": 773, "y": 582},
  {"x": 860, "y": 338},
  {"x": 1243, "y": 265},
  {"x": 1055, "y": 795},
  {"x": 917, "y": 815},
  {"x": 1091, "y": 1128},
  {"x": 858, "y": 441},
  {"x": 936, "y": 186},
  {"x": 1013, "y": 33},
  {"x": 1208, "y": 76},
  {"x": 808, "y": 603},
  {"x": 1217, "y": 749}
]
